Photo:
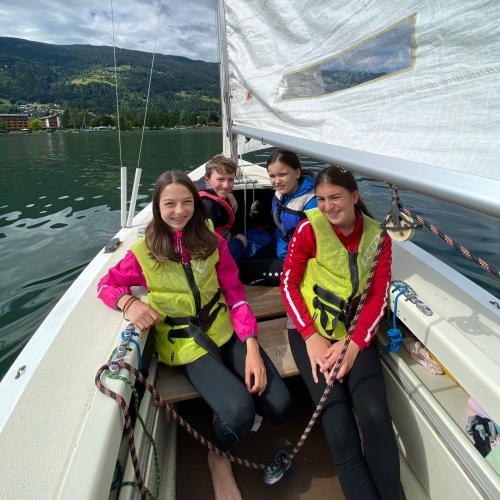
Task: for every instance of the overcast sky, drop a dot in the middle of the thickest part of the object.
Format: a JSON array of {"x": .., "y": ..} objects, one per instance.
[{"x": 187, "y": 27}]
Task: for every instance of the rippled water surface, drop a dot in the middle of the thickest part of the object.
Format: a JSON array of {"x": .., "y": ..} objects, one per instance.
[{"x": 59, "y": 204}]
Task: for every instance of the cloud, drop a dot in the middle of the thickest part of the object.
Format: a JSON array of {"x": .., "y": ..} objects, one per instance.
[{"x": 186, "y": 28}]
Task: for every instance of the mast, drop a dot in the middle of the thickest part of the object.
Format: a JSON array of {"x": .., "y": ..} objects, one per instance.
[{"x": 229, "y": 138}]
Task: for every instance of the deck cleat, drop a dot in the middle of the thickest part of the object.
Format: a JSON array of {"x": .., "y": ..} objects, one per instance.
[
  {"x": 425, "y": 308},
  {"x": 277, "y": 468}
]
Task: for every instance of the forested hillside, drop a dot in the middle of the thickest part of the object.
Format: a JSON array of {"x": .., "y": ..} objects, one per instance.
[{"x": 82, "y": 76}]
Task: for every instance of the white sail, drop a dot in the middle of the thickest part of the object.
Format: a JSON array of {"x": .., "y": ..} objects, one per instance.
[
  {"x": 232, "y": 145},
  {"x": 413, "y": 80}
]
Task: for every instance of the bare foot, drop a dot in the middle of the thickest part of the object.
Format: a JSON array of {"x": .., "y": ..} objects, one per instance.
[{"x": 223, "y": 482}]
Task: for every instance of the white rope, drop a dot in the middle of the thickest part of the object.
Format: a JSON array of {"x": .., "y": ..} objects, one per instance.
[
  {"x": 138, "y": 170},
  {"x": 149, "y": 87}
]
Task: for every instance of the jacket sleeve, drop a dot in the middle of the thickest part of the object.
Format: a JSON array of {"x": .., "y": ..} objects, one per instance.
[
  {"x": 374, "y": 308},
  {"x": 302, "y": 247},
  {"x": 281, "y": 245},
  {"x": 244, "y": 322},
  {"x": 119, "y": 279}
]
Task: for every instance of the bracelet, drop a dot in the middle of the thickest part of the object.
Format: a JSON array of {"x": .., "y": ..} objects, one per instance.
[
  {"x": 127, "y": 305},
  {"x": 128, "y": 301}
]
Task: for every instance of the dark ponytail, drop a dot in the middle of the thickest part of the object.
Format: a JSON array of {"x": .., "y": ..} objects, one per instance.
[{"x": 339, "y": 176}]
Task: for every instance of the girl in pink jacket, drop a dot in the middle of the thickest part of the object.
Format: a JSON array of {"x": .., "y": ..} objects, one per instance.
[{"x": 192, "y": 281}]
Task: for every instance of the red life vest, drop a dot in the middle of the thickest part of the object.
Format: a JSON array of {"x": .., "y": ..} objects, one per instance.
[{"x": 222, "y": 230}]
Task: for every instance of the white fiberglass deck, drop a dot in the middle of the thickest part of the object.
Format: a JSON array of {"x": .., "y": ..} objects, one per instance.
[{"x": 464, "y": 331}]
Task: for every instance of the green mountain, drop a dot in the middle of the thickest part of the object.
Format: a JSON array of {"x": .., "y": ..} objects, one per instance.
[{"x": 83, "y": 76}]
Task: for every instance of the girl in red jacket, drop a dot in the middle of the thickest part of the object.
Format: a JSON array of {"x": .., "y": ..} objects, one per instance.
[{"x": 324, "y": 274}]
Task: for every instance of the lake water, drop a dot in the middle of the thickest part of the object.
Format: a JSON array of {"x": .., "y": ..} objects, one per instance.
[{"x": 60, "y": 200}]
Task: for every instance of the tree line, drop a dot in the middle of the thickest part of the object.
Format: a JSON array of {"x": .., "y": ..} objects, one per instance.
[{"x": 77, "y": 118}]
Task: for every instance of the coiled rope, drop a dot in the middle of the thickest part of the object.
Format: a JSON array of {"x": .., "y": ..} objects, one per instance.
[
  {"x": 118, "y": 483},
  {"x": 171, "y": 413}
]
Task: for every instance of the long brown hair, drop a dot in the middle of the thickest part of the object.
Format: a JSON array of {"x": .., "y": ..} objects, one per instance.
[
  {"x": 333, "y": 174},
  {"x": 197, "y": 237}
]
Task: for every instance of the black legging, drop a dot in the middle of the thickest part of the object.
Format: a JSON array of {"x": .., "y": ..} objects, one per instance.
[
  {"x": 374, "y": 475},
  {"x": 222, "y": 386}
]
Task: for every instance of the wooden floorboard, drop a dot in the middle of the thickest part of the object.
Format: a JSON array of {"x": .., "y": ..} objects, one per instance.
[{"x": 312, "y": 476}]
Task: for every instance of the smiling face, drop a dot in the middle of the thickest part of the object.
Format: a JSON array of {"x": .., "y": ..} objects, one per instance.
[
  {"x": 338, "y": 205},
  {"x": 176, "y": 205},
  {"x": 222, "y": 184},
  {"x": 283, "y": 178}
]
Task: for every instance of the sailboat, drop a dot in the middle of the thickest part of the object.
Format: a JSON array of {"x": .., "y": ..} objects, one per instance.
[{"x": 402, "y": 93}]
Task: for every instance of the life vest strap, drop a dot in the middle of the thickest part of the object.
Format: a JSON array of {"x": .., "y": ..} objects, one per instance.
[
  {"x": 340, "y": 309},
  {"x": 330, "y": 297},
  {"x": 196, "y": 327},
  {"x": 280, "y": 207},
  {"x": 222, "y": 230}
]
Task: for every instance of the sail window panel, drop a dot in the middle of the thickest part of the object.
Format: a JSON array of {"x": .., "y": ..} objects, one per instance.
[{"x": 382, "y": 55}]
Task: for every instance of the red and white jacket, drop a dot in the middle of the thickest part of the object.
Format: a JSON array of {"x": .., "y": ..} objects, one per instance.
[{"x": 301, "y": 248}]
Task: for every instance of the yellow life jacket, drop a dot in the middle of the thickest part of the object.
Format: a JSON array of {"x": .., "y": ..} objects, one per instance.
[
  {"x": 188, "y": 297},
  {"x": 335, "y": 278}
]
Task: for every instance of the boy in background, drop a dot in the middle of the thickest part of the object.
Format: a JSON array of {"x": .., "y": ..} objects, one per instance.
[{"x": 215, "y": 189}]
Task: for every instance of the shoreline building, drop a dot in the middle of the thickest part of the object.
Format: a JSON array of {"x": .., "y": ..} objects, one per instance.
[
  {"x": 15, "y": 121},
  {"x": 50, "y": 122}
]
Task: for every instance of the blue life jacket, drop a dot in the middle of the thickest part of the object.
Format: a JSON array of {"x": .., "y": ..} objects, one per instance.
[{"x": 288, "y": 211}]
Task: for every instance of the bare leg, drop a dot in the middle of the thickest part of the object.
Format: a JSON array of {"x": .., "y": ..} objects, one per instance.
[{"x": 223, "y": 481}]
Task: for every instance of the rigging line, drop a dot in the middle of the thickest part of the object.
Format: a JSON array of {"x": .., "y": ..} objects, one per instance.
[
  {"x": 485, "y": 265},
  {"x": 116, "y": 85},
  {"x": 138, "y": 170},
  {"x": 149, "y": 87}
]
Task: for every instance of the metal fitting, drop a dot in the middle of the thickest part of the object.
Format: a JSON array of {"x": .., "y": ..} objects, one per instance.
[
  {"x": 425, "y": 309},
  {"x": 113, "y": 369},
  {"x": 127, "y": 334},
  {"x": 118, "y": 356},
  {"x": 120, "y": 349}
]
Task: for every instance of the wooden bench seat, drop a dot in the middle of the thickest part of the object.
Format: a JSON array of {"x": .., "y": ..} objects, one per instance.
[
  {"x": 266, "y": 301},
  {"x": 269, "y": 310},
  {"x": 273, "y": 338}
]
